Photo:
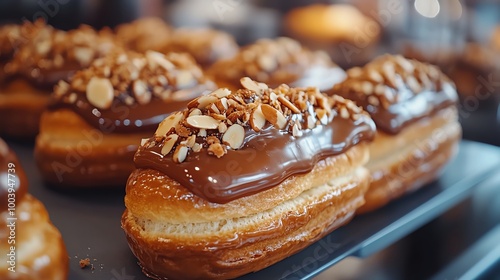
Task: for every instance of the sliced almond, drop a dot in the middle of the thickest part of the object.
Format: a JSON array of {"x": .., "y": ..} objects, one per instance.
[
  {"x": 196, "y": 147},
  {"x": 373, "y": 100},
  {"x": 202, "y": 133},
  {"x": 195, "y": 112},
  {"x": 267, "y": 63},
  {"x": 168, "y": 123},
  {"x": 344, "y": 113},
  {"x": 288, "y": 104},
  {"x": 273, "y": 96},
  {"x": 214, "y": 108},
  {"x": 311, "y": 122},
  {"x": 158, "y": 59},
  {"x": 273, "y": 116},
  {"x": 234, "y": 136},
  {"x": 42, "y": 48},
  {"x": 222, "y": 127},
  {"x": 322, "y": 116},
  {"x": 222, "y": 104},
  {"x": 141, "y": 92},
  {"x": 366, "y": 87},
  {"x": 253, "y": 85},
  {"x": 202, "y": 101},
  {"x": 205, "y": 122},
  {"x": 100, "y": 93},
  {"x": 84, "y": 55},
  {"x": 180, "y": 153},
  {"x": 190, "y": 141},
  {"x": 221, "y": 92},
  {"x": 169, "y": 143},
  {"x": 144, "y": 141},
  {"x": 257, "y": 119},
  {"x": 296, "y": 131},
  {"x": 184, "y": 79}
]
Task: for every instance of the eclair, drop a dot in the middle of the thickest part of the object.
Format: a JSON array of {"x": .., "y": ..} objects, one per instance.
[
  {"x": 32, "y": 248},
  {"x": 144, "y": 34},
  {"x": 240, "y": 180},
  {"x": 413, "y": 106},
  {"x": 88, "y": 134},
  {"x": 38, "y": 64},
  {"x": 275, "y": 62},
  {"x": 204, "y": 44}
]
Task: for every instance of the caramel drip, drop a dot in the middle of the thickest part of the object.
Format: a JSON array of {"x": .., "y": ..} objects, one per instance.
[{"x": 266, "y": 159}]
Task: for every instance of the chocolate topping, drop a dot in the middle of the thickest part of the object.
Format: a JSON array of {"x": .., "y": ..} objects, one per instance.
[
  {"x": 12, "y": 177},
  {"x": 279, "y": 61},
  {"x": 131, "y": 92},
  {"x": 51, "y": 55},
  {"x": 227, "y": 145},
  {"x": 397, "y": 91},
  {"x": 205, "y": 45}
]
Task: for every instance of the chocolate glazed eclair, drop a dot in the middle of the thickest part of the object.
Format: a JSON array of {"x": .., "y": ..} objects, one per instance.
[
  {"x": 39, "y": 249},
  {"x": 44, "y": 56},
  {"x": 240, "y": 180},
  {"x": 275, "y": 62},
  {"x": 92, "y": 128},
  {"x": 413, "y": 106}
]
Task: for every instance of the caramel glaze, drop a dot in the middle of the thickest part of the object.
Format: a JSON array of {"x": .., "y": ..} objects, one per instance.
[
  {"x": 19, "y": 181},
  {"x": 122, "y": 118},
  {"x": 266, "y": 159},
  {"x": 411, "y": 108}
]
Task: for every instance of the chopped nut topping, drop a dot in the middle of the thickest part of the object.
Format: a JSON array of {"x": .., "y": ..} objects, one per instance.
[
  {"x": 222, "y": 120},
  {"x": 380, "y": 82},
  {"x": 205, "y": 45},
  {"x": 139, "y": 78},
  {"x": 272, "y": 61},
  {"x": 50, "y": 48}
]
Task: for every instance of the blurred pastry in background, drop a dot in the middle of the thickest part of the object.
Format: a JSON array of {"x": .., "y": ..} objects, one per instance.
[
  {"x": 275, "y": 62},
  {"x": 149, "y": 33},
  {"x": 39, "y": 63},
  {"x": 13, "y": 36},
  {"x": 347, "y": 34},
  {"x": 205, "y": 45},
  {"x": 476, "y": 73},
  {"x": 414, "y": 107},
  {"x": 39, "y": 251},
  {"x": 95, "y": 122},
  {"x": 472, "y": 70}
]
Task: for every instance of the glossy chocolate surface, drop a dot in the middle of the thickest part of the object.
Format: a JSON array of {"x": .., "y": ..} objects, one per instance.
[
  {"x": 413, "y": 108},
  {"x": 122, "y": 118},
  {"x": 266, "y": 159}
]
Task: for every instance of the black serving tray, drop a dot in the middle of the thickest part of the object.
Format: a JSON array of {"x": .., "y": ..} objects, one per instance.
[{"x": 90, "y": 221}]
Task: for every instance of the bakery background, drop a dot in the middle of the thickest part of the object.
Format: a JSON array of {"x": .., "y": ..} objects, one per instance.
[{"x": 462, "y": 37}]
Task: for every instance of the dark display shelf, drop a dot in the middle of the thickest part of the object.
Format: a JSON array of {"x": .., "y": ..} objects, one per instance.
[{"x": 90, "y": 221}]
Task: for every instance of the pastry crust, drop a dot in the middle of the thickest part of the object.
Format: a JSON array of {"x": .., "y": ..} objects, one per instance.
[
  {"x": 176, "y": 235},
  {"x": 71, "y": 153},
  {"x": 40, "y": 250},
  {"x": 414, "y": 157}
]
